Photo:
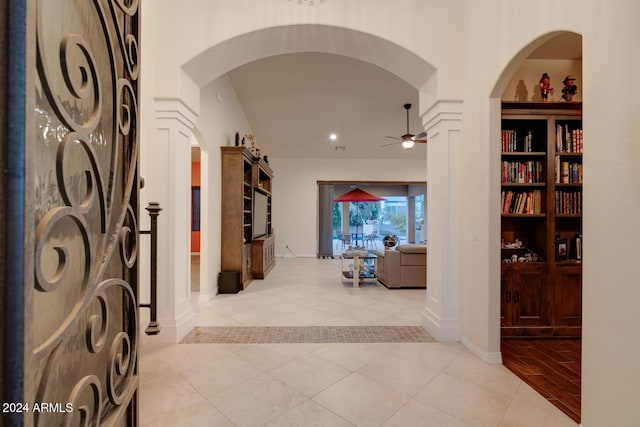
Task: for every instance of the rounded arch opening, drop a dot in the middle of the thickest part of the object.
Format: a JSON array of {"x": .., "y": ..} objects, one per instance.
[
  {"x": 216, "y": 60},
  {"x": 554, "y": 46},
  {"x": 559, "y": 54}
]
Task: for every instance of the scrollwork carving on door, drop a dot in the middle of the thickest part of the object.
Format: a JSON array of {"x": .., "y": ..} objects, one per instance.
[{"x": 84, "y": 325}]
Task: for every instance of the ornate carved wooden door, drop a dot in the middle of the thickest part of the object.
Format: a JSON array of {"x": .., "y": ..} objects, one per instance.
[{"x": 80, "y": 311}]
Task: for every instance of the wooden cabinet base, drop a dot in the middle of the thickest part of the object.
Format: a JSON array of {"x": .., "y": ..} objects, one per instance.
[
  {"x": 263, "y": 256},
  {"x": 541, "y": 332}
]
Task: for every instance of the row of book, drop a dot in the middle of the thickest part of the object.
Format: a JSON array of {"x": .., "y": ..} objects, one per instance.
[
  {"x": 568, "y": 172},
  {"x": 522, "y": 172},
  {"x": 568, "y": 140},
  {"x": 512, "y": 142},
  {"x": 522, "y": 203},
  {"x": 568, "y": 202}
]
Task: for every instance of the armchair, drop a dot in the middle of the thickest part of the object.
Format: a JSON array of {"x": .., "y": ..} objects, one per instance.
[{"x": 405, "y": 267}]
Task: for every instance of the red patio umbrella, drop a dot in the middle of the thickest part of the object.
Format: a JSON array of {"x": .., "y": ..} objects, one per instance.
[{"x": 357, "y": 195}]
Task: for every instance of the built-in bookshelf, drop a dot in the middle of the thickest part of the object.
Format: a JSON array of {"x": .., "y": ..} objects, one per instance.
[{"x": 541, "y": 232}]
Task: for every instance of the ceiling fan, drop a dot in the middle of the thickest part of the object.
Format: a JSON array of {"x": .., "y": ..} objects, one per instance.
[{"x": 407, "y": 140}]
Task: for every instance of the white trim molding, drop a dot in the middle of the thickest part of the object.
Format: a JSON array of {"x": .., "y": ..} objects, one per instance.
[
  {"x": 176, "y": 109},
  {"x": 441, "y": 316},
  {"x": 493, "y": 358}
]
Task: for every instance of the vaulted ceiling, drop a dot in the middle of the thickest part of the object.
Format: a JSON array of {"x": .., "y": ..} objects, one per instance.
[{"x": 293, "y": 103}]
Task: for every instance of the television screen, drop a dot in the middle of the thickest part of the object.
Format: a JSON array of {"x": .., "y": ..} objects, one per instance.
[{"x": 260, "y": 213}]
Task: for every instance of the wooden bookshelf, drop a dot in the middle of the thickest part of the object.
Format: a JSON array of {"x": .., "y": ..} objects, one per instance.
[
  {"x": 243, "y": 250},
  {"x": 542, "y": 170}
]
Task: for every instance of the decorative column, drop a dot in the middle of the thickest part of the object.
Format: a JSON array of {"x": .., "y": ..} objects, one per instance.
[
  {"x": 166, "y": 167},
  {"x": 441, "y": 317}
]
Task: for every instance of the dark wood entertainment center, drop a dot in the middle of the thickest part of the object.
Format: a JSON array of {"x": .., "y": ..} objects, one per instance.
[{"x": 247, "y": 247}]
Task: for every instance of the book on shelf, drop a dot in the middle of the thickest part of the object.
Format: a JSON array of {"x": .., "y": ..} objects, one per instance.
[
  {"x": 568, "y": 202},
  {"x": 578, "y": 246},
  {"x": 522, "y": 202},
  {"x": 567, "y": 172},
  {"x": 578, "y": 173},
  {"x": 564, "y": 174},
  {"x": 568, "y": 140},
  {"x": 522, "y": 172},
  {"x": 514, "y": 143}
]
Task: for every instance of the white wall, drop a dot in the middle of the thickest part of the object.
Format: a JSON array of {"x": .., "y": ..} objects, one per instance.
[
  {"x": 221, "y": 116},
  {"x": 212, "y": 22},
  {"x": 295, "y": 193},
  {"x": 611, "y": 285}
]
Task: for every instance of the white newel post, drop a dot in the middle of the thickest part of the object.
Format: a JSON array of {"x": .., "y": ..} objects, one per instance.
[
  {"x": 441, "y": 317},
  {"x": 168, "y": 181}
]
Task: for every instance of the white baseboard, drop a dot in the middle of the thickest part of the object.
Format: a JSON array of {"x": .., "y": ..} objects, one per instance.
[
  {"x": 172, "y": 330},
  {"x": 493, "y": 358},
  {"x": 207, "y": 296},
  {"x": 441, "y": 331}
]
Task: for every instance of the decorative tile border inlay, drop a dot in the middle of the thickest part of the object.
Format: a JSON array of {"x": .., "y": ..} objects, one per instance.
[{"x": 306, "y": 334}]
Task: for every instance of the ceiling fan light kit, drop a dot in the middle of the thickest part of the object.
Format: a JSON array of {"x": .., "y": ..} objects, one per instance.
[
  {"x": 408, "y": 140},
  {"x": 407, "y": 144}
]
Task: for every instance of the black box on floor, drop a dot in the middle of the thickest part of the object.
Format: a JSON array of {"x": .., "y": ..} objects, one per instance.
[{"x": 229, "y": 282}]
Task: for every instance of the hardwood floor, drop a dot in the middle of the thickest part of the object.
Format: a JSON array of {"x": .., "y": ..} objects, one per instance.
[{"x": 550, "y": 366}]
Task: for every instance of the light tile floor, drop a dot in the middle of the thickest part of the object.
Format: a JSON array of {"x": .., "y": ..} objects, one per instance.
[{"x": 328, "y": 384}]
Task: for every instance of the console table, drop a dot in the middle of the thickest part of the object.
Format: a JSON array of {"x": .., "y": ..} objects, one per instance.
[{"x": 360, "y": 266}]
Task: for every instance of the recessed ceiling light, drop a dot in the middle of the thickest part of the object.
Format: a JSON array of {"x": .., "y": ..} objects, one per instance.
[{"x": 333, "y": 137}]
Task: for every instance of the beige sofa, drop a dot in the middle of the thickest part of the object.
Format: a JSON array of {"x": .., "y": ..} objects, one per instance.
[{"x": 404, "y": 267}]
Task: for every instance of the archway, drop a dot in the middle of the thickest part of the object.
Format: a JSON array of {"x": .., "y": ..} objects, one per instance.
[
  {"x": 176, "y": 117},
  {"x": 214, "y": 63},
  {"x": 548, "y": 296}
]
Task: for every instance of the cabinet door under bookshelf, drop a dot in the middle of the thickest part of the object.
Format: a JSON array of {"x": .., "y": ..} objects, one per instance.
[{"x": 541, "y": 233}]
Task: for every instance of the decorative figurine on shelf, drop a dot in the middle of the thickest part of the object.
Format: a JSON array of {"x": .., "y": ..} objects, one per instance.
[
  {"x": 545, "y": 87},
  {"x": 252, "y": 141},
  {"x": 569, "y": 88},
  {"x": 237, "y": 139}
]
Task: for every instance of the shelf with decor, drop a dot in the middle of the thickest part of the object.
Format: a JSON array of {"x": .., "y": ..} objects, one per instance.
[{"x": 541, "y": 219}]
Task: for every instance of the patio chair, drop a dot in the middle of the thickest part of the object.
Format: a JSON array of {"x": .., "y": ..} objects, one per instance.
[
  {"x": 370, "y": 239},
  {"x": 346, "y": 240}
]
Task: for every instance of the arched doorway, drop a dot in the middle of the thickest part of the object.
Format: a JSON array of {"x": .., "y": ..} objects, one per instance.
[
  {"x": 219, "y": 97},
  {"x": 540, "y": 308},
  {"x": 442, "y": 120}
]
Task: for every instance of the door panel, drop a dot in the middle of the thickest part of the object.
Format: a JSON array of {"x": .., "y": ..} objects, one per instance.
[
  {"x": 530, "y": 295},
  {"x": 506, "y": 292},
  {"x": 81, "y": 316},
  {"x": 568, "y": 287}
]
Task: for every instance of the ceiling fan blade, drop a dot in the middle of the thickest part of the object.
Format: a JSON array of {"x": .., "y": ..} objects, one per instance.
[
  {"x": 394, "y": 137},
  {"x": 420, "y": 141},
  {"x": 393, "y": 143},
  {"x": 421, "y": 135}
]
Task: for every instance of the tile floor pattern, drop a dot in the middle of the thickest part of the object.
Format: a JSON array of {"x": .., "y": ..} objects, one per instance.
[
  {"x": 305, "y": 334},
  {"x": 327, "y": 384}
]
